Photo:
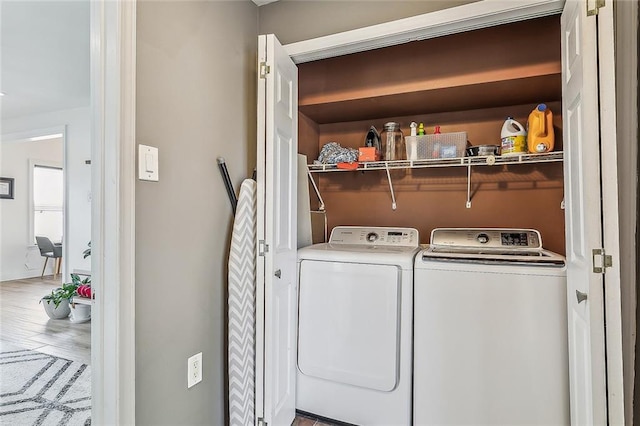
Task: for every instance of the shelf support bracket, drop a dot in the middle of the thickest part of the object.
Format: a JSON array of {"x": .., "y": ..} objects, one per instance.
[
  {"x": 393, "y": 196},
  {"x": 468, "y": 205},
  {"x": 321, "y": 210},
  {"x": 317, "y": 191}
]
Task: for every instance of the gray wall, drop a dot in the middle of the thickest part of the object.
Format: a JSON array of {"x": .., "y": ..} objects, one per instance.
[
  {"x": 295, "y": 20},
  {"x": 195, "y": 96}
]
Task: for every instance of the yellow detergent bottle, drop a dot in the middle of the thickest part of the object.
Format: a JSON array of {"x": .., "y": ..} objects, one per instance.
[
  {"x": 514, "y": 137},
  {"x": 540, "y": 137}
]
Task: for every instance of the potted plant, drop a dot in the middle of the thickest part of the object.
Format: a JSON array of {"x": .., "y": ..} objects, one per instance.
[
  {"x": 80, "y": 309},
  {"x": 57, "y": 304}
]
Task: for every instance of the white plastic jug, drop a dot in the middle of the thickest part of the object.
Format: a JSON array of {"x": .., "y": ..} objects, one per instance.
[{"x": 514, "y": 137}]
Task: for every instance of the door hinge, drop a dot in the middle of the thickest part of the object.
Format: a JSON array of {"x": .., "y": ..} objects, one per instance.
[
  {"x": 597, "y": 5},
  {"x": 601, "y": 261},
  {"x": 262, "y": 248},
  {"x": 261, "y": 422},
  {"x": 264, "y": 69}
]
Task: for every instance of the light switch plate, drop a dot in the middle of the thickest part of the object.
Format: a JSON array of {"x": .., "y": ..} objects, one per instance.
[{"x": 147, "y": 163}]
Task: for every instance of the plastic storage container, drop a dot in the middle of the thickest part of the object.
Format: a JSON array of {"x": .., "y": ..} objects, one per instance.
[
  {"x": 514, "y": 137},
  {"x": 442, "y": 145},
  {"x": 540, "y": 137}
]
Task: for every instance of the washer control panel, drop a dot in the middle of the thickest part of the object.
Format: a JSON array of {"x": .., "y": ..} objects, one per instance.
[
  {"x": 528, "y": 239},
  {"x": 378, "y": 236}
]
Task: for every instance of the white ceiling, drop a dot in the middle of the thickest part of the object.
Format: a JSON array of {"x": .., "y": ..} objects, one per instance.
[{"x": 44, "y": 49}]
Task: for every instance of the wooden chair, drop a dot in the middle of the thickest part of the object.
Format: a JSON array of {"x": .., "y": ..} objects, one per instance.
[{"x": 49, "y": 250}]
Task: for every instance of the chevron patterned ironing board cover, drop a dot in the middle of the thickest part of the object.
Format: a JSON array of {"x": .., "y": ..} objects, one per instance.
[{"x": 242, "y": 285}]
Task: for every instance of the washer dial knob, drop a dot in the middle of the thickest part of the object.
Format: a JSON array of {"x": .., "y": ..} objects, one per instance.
[
  {"x": 482, "y": 238},
  {"x": 372, "y": 236}
]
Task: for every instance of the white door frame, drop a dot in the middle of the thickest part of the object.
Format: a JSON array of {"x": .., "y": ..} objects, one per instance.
[{"x": 113, "y": 41}]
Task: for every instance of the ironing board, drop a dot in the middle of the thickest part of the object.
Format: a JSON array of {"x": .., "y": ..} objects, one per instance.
[{"x": 242, "y": 285}]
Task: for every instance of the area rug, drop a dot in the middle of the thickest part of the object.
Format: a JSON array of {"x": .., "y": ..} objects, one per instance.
[{"x": 41, "y": 389}]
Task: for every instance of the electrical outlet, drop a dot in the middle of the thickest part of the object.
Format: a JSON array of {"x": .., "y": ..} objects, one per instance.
[{"x": 194, "y": 370}]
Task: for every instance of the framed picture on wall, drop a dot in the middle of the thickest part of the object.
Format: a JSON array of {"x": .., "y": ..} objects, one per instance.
[{"x": 6, "y": 187}]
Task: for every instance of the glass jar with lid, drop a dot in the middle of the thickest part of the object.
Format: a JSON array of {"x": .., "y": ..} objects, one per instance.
[{"x": 393, "y": 142}]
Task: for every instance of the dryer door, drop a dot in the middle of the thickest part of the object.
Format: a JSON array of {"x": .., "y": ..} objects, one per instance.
[{"x": 349, "y": 323}]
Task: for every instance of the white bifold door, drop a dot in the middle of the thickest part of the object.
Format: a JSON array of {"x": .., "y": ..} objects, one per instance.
[
  {"x": 276, "y": 290},
  {"x": 593, "y": 296}
]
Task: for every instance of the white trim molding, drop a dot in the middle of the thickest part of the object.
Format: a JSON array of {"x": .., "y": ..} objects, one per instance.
[
  {"x": 472, "y": 16},
  {"x": 113, "y": 33}
]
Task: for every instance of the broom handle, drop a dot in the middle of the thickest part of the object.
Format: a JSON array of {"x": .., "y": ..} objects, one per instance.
[{"x": 228, "y": 184}]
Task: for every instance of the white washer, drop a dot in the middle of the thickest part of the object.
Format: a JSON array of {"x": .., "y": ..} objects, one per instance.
[
  {"x": 490, "y": 330},
  {"x": 354, "y": 326}
]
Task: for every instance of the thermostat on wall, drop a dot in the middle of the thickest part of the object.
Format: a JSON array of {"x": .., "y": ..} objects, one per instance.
[{"x": 147, "y": 163}]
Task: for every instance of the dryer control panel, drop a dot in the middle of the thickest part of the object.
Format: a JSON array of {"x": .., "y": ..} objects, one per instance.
[{"x": 378, "y": 236}]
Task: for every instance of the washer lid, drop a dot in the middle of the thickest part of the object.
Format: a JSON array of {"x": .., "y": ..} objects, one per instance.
[
  {"x": 490, "y": 245},
  {"x": 537, "y": 257}
]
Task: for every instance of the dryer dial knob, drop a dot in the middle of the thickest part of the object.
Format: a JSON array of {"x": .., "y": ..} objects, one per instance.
[
  {"x": 372, "y": 236},
  {"x": 482, "y": 238}
]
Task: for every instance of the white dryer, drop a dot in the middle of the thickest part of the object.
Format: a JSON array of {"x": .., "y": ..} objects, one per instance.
[
  {"x": 490, "y": 330},
  {"x": 354, "y": 326}
]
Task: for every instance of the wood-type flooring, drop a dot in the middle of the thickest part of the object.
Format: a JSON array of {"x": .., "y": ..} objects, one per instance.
[
  {"x": 24, "y": 323},
  {"x": 301, "y": 420}
]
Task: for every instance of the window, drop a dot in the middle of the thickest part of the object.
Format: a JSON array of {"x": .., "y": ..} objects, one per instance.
[{"x": 48, "y": 201}]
